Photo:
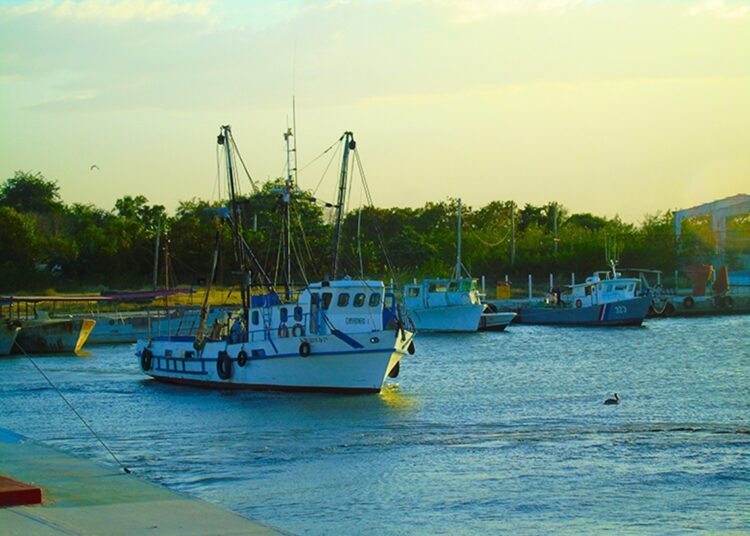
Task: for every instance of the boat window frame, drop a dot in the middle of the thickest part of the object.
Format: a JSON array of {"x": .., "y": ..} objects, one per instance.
[
  {"x": 326, "y": 299},
  {"x": 359, "y": 299},
  {"x": 298, "y": 314},
  {"x": 413, "y": 292},
  {"x": 375, "y": 299},
  {"x": 283, "y": 315},
  {"x": 254, "y": 318},
  {"x": 342, "y": 300}
]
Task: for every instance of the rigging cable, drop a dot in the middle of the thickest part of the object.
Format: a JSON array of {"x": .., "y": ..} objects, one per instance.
[
  {"x": 236, "y": 150},
  {"x": 114, "y": 457}
]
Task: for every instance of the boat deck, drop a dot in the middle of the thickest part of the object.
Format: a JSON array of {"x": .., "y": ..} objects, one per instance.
[{"x": 84, "y": 497}]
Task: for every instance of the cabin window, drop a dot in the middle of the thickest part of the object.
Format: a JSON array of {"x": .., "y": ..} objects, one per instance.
[
  {"x": 255, "y": 318},
  {"x": 343, "y": 300},
  {"x": 608, "y": 288},
  {"x": 327, "y": 297},
  {"x": 374, "y": 299},
  {"x": 588, "y": 291},
  {"x": 437, "y": 287},
  {"x": 298, "y": 314},
  {"x": 622, "y": 286},
  {"x": 413, "y": 292},
  {"x": 359, "y": 299},
  {"x": 315, "y": 298},
  {"x": 284, "y": 315},
  {"x": 453, "y": 286}
]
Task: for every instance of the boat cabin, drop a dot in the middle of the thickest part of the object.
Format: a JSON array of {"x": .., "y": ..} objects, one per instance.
[
  {"x": 346, "y": 305},
  {"x": 441, "y": 293},
  {"x": 598, "y": 291}
]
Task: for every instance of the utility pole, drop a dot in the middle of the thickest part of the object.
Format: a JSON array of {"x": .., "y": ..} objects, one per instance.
[
  {"x": 554, "y": 224},
  {"x": 156, "y": 254},
  {"x": 512, "y": 234}
]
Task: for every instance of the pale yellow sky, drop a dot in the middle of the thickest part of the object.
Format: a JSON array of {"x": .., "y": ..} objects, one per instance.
[{"x": 611, "y": 106}]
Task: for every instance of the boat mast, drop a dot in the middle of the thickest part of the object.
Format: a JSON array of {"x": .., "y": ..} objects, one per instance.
[
  {"x": 349, "y": 144},
  {"x": 286, "y": 195},
  {"x": 457, "y": 273},
  {"x": 224, "y": 139}
]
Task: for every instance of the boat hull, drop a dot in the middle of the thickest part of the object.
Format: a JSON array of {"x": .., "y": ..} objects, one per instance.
[
  {"x": 451, "y": 318},
  {"x": 53, "y": 336},
  {"x": 495, "y": 321},
  {"x": 353, "y": 363},
  {"x": 621, "y": 313},
  {"x": 8, "y": 334}
]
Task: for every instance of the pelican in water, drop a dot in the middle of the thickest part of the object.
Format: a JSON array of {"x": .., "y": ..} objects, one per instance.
[{"x": 612, "y": 401}]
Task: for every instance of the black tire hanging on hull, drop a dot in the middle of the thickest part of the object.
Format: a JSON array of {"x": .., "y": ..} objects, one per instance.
[{"x": 395, "y": 370}]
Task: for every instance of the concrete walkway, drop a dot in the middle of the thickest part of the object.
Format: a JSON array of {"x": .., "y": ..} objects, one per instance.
[{"x": 84, "y": 497}]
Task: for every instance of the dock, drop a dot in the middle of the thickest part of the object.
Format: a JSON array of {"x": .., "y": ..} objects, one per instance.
[{"x": 82, "y": 497}]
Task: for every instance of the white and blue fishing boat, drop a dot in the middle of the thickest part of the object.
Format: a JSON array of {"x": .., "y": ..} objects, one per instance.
[
  {"x": 336, "y": 335},
  {"x": 451, "y": 304},
  {"x": 605, "y": 299}
]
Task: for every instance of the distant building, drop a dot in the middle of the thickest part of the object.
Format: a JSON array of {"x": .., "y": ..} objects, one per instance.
[{"x": 720, "y": 211}]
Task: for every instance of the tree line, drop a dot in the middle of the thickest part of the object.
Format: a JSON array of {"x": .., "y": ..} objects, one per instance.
[{"x": 71, "y": 247}]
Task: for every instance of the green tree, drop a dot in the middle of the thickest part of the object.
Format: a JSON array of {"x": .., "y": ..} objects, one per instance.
[{"x": 30, "y": 192}]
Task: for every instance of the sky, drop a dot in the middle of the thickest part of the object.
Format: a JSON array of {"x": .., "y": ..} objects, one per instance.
[{"x": 614, "y": 107}]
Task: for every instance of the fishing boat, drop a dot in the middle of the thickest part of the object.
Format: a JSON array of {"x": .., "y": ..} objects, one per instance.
[
  {"x": 332, "y": 335},
  {"x": 605, "y": 299},
  {"x": 446, "y": 305}
]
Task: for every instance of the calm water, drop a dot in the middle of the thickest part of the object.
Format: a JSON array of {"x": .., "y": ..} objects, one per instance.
[{"x": 482, "y": 433}]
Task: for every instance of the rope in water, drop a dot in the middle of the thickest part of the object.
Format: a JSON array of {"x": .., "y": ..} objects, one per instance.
[{"x": 57, "y": 390}]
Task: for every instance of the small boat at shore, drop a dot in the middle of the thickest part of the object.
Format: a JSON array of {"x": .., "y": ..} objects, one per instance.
[
  {"x": 8, "y": 334},
  {"x": 43, "y": 335},
  {"x": 35, "y": 332},
  {"x": 608, "y": 301},
  {"x": 494, "y": 320}
]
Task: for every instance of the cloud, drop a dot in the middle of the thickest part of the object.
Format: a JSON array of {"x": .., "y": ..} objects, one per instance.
[
  {"x": 476, "y": 10},
  {"x": 112, "y": 10},
  {"x": 719, "y": 8}
]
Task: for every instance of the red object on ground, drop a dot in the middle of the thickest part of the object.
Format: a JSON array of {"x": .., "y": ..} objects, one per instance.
[
  {"x": 14, "y": 493},
  {"x": 699, "y": 275}
]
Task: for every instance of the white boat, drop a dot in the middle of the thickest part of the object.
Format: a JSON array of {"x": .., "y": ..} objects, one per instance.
[
  {"x": 449, "y": 305},
  {"x": 128, "y": 327},
  {"x": 444, "y": 304},
  {"x": 334, "y": 336},
  {"x": 494, "y": 320}
]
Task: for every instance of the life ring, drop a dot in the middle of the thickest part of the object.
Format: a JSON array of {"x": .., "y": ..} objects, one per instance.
[
  {"x": 298, "y": 330},
  {"x": 688, "y": 302},
  {"x": 579, "y": 303},
  {"x": 305, "y": 349},
  {"x": 283, "y": 331},
  {"x": 242, "y": 358},
  {"x": 411, "y": 349},
  {"x": 146, "y": 362},
  {"x": 224, "y": 366}
]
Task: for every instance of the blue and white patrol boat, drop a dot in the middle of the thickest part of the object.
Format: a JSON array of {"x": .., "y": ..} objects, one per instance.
[
  {"x": 336, "y": 335},
  {"x": 605, "y": 299}
]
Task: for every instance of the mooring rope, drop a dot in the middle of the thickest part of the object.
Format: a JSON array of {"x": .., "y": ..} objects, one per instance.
[{"x": 57, "y": 390}]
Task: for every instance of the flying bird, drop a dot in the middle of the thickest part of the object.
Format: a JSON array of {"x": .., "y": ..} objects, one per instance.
[{"x": 93, "y": 166}]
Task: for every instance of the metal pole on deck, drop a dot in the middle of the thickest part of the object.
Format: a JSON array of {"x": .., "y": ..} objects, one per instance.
[
  {"x": 676, "y": 282},
  {"x": 551, "y": 282},
  {"x": 573, "y": 278},
  {"x": 530, "y": 287},
  {"x": 483, "y": 289}
]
